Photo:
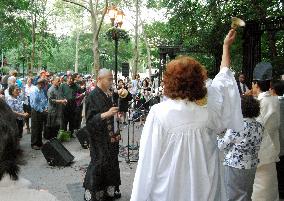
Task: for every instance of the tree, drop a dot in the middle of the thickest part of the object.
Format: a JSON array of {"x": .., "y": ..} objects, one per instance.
[
  {"x": 203, "y": 24},
  {"x": 14, "y": 27},
  {"x": 97, "y": 17}
]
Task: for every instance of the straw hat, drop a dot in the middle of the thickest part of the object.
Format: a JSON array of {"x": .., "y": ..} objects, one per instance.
[{"x": 122, "y": 93}]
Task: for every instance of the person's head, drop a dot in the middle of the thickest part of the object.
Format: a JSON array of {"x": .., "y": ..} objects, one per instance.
[
  {"x": 71, "y": 79},
  {"x": 120, "y": 82},
  {"x": 104, "y": 79},
  {"x": 9, "y": 152},
  {"x": 242, "y": 78},
  {"x": 137, "y": 76},
  {"x": 11, "y": 80},
  {"x": 277, "y": 88},
  {"x": 56, "y": 81},
  {"x": 62, "y": 79},
  {"x": 250, "y": 107},
  {"x": 41, "y": 83},
  {"x": 42, "y": 74},
  {"x": 260, "y": 86},
  {"x": 262, "y": 74},
  {"x": 14, "y": 73},
  {"x": 78, "y": 77},
  {"x": 29, "y": 81},
  {"x": 145, "y": 83},
  {"x": 14, "y": 91},
  {"x": 184, "y": 79}
]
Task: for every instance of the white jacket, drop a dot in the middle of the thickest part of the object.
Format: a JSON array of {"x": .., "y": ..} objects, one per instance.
[{"x": 270, "y": 119}]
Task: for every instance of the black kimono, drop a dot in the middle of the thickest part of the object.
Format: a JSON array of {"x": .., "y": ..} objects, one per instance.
[{"x": 103, "y": 170}]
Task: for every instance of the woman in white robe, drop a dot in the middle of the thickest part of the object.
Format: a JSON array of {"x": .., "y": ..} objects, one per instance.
[{"x": 179, "y": 158}]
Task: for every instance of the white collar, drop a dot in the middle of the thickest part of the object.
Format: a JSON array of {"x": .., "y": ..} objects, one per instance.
[{"x": 263, "y": 94}]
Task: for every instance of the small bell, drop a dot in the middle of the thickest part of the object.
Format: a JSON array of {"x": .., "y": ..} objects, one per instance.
[{"x": 237, "y": 22}]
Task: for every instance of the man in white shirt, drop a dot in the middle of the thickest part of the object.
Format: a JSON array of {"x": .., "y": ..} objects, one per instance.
[{"x": 265, "y": 183}]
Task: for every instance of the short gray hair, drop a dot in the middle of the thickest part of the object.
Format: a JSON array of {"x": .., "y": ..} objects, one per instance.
[
  {"x": 11, "y": 80},
  {"x": 103, "y": 72}
]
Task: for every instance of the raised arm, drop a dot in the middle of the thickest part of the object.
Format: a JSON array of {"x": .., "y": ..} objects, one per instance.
[
  {"x": 230, "y": 38},
  {"x": 224, "y": 100}
]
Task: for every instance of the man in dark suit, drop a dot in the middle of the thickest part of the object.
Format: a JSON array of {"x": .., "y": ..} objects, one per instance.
[
  {"x": 242, "y": 85},
  {"x": 103, "y": 173}
]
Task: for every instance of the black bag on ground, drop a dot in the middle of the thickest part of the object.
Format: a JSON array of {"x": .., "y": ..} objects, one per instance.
[
  {"x": 56, "y": 154},
  {"x": 82, "y": 135}
]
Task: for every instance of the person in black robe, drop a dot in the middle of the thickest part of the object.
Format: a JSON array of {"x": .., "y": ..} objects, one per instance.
[
  {"x": 122, "y": 97},
  {"x": 103, "y": 172}
]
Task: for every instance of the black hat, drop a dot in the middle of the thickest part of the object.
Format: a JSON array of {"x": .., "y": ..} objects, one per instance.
[{"x": 262, "y": 71}]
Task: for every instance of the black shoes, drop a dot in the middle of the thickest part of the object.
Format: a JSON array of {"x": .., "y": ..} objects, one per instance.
[{"x": 117, "y": 195}]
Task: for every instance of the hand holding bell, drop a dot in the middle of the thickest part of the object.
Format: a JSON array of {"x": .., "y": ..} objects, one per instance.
[{"x": 237, "y": 22}]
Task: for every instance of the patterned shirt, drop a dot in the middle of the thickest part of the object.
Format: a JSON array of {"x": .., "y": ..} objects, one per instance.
[
  {"x": 241, "y": 148},
  {"x": 38, "y": 100},
  {"x": 16, "y": 105}
]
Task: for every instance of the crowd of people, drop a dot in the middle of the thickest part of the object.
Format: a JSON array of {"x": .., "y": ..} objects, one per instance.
[
  {"x": 47, "y": 103},
  {"x": 184, "y": 135},
  {"x": 56, "y": 102}
]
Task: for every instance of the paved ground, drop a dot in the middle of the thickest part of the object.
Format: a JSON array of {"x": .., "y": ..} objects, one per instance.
[{"x": 65, "y": 183}]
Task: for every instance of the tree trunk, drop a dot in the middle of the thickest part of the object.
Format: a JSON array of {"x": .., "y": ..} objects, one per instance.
[
  {"x": 149, "y": 62},
  {"x": 33, "y": 42},
  {"x": 40, "y": 58},
  {"x": 136, "y": 50},
  {"x": 96, "y": 54},
  {"x": 96, "y": 26},
  {"x": 77, "y": 52}
]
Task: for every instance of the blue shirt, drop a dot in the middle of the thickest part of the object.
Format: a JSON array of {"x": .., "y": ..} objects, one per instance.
[
  {"x": 19, "y": 83},
  {"x": 38, "y": 100}
]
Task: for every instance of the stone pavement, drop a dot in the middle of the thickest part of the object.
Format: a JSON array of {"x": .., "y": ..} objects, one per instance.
[{"x": 66, "y": 182}]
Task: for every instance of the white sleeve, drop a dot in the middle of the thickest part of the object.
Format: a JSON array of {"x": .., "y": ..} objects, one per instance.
[
  {"x": 149, "y": 156},
  {"x": 224, "y": 102}
]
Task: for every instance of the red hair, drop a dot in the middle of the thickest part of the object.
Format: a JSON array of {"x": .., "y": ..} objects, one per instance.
[{"x": 184, "y": 79}]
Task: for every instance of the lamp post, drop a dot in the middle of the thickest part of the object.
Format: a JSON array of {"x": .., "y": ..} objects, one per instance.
[
  {"x": 116, "y": 16},
  {"x": 103, "y": 57}
]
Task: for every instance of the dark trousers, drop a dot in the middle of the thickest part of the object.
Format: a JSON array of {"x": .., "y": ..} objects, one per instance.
[
  {"x": 69, "y": 117},
  {"x": 78, "y": 116},
  {"x": 280, "y": 176},
  {"x": 20, "y": 124},
  {"x": 38, "y": 124},
  {"x": 115, "y": 173},
  {"x": 27, "y": 108}
]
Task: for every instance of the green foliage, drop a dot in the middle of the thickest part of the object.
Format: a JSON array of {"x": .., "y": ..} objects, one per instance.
[
  {"x": 201, "y": 25},
  {"x": 204, "y": 24},
  {"x": 119, "y": 33},
  {"x": 278, "y": 66},
  {"x": 14, "y": 27},
  {"x": 64, "y": 136},
  {"x": 4, "y": 70}
]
